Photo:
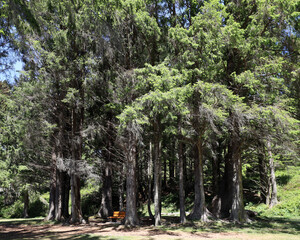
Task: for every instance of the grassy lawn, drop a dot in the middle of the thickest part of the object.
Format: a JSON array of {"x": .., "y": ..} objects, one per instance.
[{"x": 262, "y": 229}]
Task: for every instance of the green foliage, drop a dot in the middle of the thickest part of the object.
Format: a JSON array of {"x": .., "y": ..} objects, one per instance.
[
  {"x": 145, "y": 67},
  {"x": 90, "y": 198},
  {"x": 37, "y": 208},
  {"x": 288, "y": 194},
  {"x": 13, "y": 211}
]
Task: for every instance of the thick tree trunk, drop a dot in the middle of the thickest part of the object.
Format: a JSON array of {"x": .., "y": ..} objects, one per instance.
[
  {"x": 62, "y": 195},
  {"x": 157, "y": 179},
  {"x": 237, "y": 208},
  {"x": 238, "y": 213},
  {"x": 199, "y": 211},
  {"x": 76, "y": 152},
  {"x": 181, "y": 182},
  {"x": 26, "y": 204},
  {"x": 226, "y": 186},
  {"x": 51, "y": 213},
  {"x": 76, "y": 215},
  {"x": 216, "y": 161},
  {"x": 106, "y": 192},
  {"x": 59, "y": 195},
  {"x": 131, "y": 218},
  {"x": 273, "y": 200},
  {"x": 59, "y": 190},
  {"x": 65, "y": 195}
]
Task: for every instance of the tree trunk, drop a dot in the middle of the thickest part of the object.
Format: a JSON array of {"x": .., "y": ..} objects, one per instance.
[
  {"x": 157, "y": 178},
  {"x": 65, "y": 195},
  {"x": 76, "y": 214},
  {"x": 131, "y": 218},
  {"x": 216, "y": 161},
  {"x": 238, "y": 213},
  {"x": 59, "y": 195},
  {"x": 264, "y": 179},
  {"x": 181, "y": 180},
  {"x": 76, "y": 151},
  {"x": 150, "y": 172},
  {"x": 171, "y": 166},
  {"x": 26, "y": 204},
  {"x": 165, "y": 174},
  {"x": 226, "y": 188},
  {"x": 237, "y": 209},
  {"x": 184, "y": 159},
  {"x": 273, "y": 200},
  {"x": 51, "y": 213},
  {"x": 121, "y": 192},
  {"x": 199, "y": 211},
  {"x": 106, "y": 193}
]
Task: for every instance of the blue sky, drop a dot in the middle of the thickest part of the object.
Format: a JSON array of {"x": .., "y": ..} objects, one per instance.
[{"x": 14, "y": 73}]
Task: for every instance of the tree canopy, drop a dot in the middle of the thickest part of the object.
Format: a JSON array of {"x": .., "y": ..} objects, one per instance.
[{"x": 149, "y": 92}]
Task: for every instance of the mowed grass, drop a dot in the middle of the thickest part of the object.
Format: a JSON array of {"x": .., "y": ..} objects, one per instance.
[{"x": 260, "y": 229}]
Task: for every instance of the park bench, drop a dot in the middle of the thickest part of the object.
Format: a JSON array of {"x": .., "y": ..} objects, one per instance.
[{"x": 118, "y": 215}]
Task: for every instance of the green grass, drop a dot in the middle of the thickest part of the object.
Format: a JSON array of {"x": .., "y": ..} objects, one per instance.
[
  {"x": 260, "y": 226},
  {"x": 288, "y": 195},
  {"x": 26, "y": 221},
  {"x": 264, "y": 229}
]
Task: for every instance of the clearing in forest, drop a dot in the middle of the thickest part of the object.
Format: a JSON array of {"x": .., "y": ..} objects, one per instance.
[{"x": 263, "y": 229}]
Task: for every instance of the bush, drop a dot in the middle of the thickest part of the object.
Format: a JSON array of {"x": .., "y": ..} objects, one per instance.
[
  {"x": 90, "y": 204},
  {"x": 13, "y": 211},
  {"x": 37, "y": 208}
]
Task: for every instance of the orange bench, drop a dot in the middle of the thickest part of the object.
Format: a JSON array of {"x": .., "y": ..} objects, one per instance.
[{"x": 118, "y": 215}]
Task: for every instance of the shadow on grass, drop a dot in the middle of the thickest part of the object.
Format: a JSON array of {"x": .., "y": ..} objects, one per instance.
[
  {"x": 38, "y": 229},
  {"x": 32, "y": 229},
  {"x": 259, "y": 225},
  {"x": 87, "y": 237},
  {"x": 18, "y": 221}
]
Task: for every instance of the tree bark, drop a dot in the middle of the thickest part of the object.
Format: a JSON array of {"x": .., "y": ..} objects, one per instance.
[
  {"x": 121, "y": 187},
  {"x": 264, "y": 179},
  {"x": 238, "y": 213},
  {"x": 216, "y": 171},
  {"x": 226, "y": 188},
  {"x": 26, "y": 203},
  {"x": 58, "y": 195},
  {"x": 51, "y": 213},
  {"x": 106, "y": 209},
  {"x": 131, "y": 218},
  {"x": 171, "y": 166},
  {"x": 76, "y": 148},
  {"x": 237, "y": 208},
  {"x": 273, "y": 200},
  {"x": 150, "y": 172},
  {"x": 165, "y": 173},
  {"x": 59, "y": 190},
  {"x": 199, "y": 211},
  {"x": 181, "y": 179},
  {"x": 157, "y": 177},
  {"x": 76, "y": 214},
  {"x": 65, "y": 195}
]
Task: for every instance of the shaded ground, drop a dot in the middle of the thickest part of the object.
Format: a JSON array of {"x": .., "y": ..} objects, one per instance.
[{"x": 96, "y": 229}]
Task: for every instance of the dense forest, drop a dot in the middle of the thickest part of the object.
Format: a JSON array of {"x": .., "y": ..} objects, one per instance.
[{"x": 147, "y": 98}]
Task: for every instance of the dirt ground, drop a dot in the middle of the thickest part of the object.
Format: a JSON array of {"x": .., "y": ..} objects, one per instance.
[{"x": 109, "y": 231}]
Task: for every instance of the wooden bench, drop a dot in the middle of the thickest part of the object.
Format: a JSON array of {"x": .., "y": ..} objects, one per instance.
[{"x": 118, "y": 215}]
